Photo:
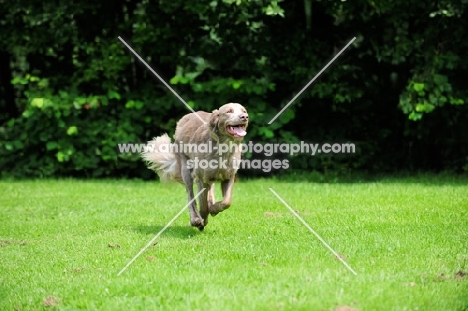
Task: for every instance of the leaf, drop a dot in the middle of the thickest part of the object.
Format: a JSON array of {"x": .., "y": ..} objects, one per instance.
[
  {"x": 81, "y": 100},
  {"x": 43, "y": 83},
  {"x": 184, "y": 80},
  {"x": 428, "y": 107},
  {"x": 197, "y": 87},
  {"x": 130, "y": 104},
  {"x": 174, "y": 80},
  {"x": 19, "y": 80},
  {"x": 456, "y": 101},
  {"x": 104, "y": 100},
  {"x": 139, "y": 104},
  {"x": 63, "y": 94},
  {"x": 51, "y": 145},
  {"x": 18, "y": 144},
  {"x": 37, "y": 102},
  {"x": 192, "y": 75},
  {"x": 273, "y": 9},
  {"x": 415, "y": 116},
  {"x": 72, "y": 130},
  {"x": 236, "y": 84},
  {"x": 267, "y": 132},
  {"x": 287, "y": 116},
  {"x": 440, "y": 79},
  {"x": 113, "y": 94},
  {"x": 60, "y": 156},
  {"x": 418, "y": 87}
]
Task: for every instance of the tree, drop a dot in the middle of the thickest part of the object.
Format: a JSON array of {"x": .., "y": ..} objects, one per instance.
[{"x": 76, "y": 91}]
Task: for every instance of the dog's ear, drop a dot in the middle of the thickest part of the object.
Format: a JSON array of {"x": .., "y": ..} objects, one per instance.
[{"x": 214, "y": 120}]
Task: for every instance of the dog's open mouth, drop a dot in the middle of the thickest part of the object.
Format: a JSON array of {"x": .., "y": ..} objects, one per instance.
[{"x": 238, "y": 131}]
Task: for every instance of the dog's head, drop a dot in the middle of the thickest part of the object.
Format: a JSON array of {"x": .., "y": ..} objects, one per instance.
[{"x": 229, "y": 122}]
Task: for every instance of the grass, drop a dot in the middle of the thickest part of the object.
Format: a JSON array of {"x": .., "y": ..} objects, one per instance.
[{"x": 63, "y": 242}]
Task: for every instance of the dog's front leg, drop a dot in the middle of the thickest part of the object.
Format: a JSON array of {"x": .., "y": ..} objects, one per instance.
[
  {"x": 226, "y": 187},
  {"x": 203, "y": 200},
  {"x": 195, "y": 218}
]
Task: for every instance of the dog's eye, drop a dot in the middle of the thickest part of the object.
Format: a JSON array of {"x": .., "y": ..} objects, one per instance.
[{"x": 230, "y": 111}]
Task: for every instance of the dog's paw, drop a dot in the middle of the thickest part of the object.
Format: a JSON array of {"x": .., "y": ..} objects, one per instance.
[
  {"x": 205, "y": 219},
  {"x": 217, "y": 208},
  {"x": 198, "y": 222},
  {"x": 214, "y": 209}
]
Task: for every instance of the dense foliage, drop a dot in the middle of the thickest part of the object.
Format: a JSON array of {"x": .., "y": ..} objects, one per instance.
[{"x": 71, "y": 91}]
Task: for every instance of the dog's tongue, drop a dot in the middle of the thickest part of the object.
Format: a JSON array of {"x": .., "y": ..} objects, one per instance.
[{"x": 239, "y": 130}]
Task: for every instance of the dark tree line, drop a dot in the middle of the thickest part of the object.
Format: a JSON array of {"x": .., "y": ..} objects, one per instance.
[{"x": 71, "y": 91}]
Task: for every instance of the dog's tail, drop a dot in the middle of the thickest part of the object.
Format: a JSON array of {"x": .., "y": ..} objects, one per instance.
[{"x": 160, "y": 158}]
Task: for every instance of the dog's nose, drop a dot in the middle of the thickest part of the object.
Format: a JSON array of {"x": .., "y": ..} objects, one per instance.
[{"x": 244, "y": 117}]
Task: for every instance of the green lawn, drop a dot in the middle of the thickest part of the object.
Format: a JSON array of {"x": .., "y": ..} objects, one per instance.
[{"x": 63, "y": 242}]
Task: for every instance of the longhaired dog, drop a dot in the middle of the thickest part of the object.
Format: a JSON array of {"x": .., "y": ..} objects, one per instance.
[{"x": 226, "y": 125}]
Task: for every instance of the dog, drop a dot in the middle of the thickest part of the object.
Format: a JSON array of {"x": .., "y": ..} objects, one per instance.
[{"x": 226, "y": 125}]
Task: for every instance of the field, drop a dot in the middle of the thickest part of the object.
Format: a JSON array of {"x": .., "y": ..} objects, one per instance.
[{"x": 63, "y": 242}]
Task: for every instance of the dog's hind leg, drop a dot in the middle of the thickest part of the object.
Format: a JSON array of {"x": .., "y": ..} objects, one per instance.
[
  {"x": 226, "y": 187},
  {"x": 195, "y": 219},
  {"x": 211, "y": 196}
]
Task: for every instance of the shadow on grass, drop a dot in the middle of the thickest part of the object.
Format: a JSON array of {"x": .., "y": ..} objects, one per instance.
[{"x": 180, "y": 232}]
